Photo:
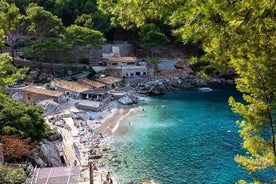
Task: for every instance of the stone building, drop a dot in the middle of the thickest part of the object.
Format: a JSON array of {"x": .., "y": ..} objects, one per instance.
[
  {"x": 98, "y": 89},
  {"x": 71, "y": 88},
  {"x": 92, "y": 83},
  {"x": 110, "y": 82},
  {"x": 125, "y": 67},
  {"x": 32, "y": 95}
]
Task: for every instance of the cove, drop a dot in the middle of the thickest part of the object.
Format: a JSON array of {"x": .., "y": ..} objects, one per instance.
[{"x": 187, "y": 136}]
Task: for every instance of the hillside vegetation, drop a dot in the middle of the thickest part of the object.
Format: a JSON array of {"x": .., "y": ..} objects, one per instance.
[{"x": 230, "y": 35}]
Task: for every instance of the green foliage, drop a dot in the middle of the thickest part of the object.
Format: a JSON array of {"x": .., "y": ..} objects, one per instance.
[
  {"x": 234, "y": 34},
  {"x": 49, "y": 131},
  {"x": 83, "y": 36},
  {"x": 151, "y": 36},
  {"x": 254, "y": 61},
  {"x": 9, "y": 16},
  {"x": 101, "y": 22},
  {"x": 135, "y": 13},
  {"x": 21, "y": 4},
  {"x": 46, "y": 51},
  {"x": 13, "y": 25},
  {"x": 16, "y": 117},
  {"x": 20, "y": 119},
  {"x": 9, "y": 23},
  {"x": 85, "y": 21},
  {"x": 204, "y": 23},
  {"x": 200, "y": 65},
  {"x": 9, "y": 175},
  {"x": 2, "y": 38},
  {"x": 68, "y": 10},
  {"x": 152, "y": 60},
  {"x": 8, "y": 72},
  {"x": 42, "y": 23},
  {"x": 240, "y": 35}
]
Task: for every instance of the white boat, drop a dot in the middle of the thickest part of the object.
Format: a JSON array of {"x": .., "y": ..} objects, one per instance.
[{"x": 205, "y": 89}]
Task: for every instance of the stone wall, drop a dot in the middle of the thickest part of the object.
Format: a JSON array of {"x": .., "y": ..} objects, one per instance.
[
  {"x": 114, "y": 72},
  {"x": 33, "y": 98},
  {"x": 134, "y": 72}
]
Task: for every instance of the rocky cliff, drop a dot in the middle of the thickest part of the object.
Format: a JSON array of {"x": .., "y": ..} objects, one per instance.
[{"x": 46, "y": 154}]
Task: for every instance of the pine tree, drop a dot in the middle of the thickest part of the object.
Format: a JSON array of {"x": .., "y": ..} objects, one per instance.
[{"x": 234, "y": 34}]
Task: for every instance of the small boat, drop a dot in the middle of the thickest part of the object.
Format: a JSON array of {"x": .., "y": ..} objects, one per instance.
[{"x": 205, "y": 89}]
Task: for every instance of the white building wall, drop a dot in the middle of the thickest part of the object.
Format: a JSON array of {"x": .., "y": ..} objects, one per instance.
[{"x": 133, "y": 72}]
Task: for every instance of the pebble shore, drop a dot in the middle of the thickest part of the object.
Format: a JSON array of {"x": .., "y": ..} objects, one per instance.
[{"x": 86, "y": 136}]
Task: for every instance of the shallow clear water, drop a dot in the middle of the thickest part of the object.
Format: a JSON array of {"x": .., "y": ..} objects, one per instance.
[{"x": 181, "y": 137}]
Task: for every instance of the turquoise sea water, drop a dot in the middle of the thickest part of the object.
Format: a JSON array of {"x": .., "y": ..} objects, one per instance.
[{"x": 181, "y": 137}]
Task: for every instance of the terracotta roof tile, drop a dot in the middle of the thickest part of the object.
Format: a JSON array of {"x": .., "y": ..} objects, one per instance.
[
  {"x": 121, "y": 59},
  {"x": 42, "y": 91},
  {"x": 71, "y": 85},
  {"x": 94, "y": 84}
]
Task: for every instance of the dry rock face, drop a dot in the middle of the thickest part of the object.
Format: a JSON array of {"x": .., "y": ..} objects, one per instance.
[{"x": 47, "y": 155}]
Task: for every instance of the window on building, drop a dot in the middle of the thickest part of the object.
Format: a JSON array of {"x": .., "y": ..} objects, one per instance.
[
  {"x": 144, "y": 73},
  {"x": 138, "y": 73},
  {"x": 29, "y": 96}
]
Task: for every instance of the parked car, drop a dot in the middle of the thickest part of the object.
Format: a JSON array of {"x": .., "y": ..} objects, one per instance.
[{"x": 15, "y": 85}]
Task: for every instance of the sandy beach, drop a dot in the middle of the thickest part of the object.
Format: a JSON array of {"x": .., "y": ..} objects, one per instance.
[{"x": 112, "y": 121}]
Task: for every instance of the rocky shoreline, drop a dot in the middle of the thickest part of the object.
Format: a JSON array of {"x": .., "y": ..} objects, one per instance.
[
  {"x": 159, "y": 85},
  {"x": 97, "y": 147},
  {"x": 162, "y": 85}
]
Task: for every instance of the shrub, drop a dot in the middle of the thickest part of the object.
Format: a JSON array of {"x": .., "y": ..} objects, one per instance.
[{"x": 10, "y": 175}]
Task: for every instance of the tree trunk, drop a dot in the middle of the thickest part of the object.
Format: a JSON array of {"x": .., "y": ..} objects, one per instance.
[{"x": 272, "y": 127}]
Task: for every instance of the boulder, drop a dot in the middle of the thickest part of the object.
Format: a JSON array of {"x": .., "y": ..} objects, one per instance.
[
  {"x": 51, "y": 107},
  {"x": 156, "y": 90},
  {"x": 156, "y": 87},
  {"x": 55, "y": 137},
  {"x": 200, "y": 83},
  {"x": 164, "y": 84},
  {"x": 134, "y": 98},
  {"x": 38, "y": 161},
  {"x": 126, "y": 100},
  {"x": 47, "y": 155}
]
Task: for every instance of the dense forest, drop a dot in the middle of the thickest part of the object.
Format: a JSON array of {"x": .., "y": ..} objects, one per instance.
[{"x": 232, "y": 35}]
